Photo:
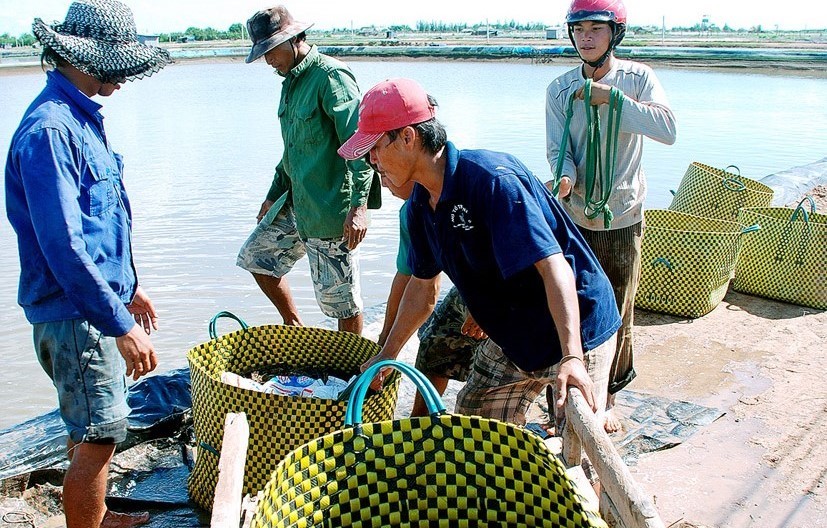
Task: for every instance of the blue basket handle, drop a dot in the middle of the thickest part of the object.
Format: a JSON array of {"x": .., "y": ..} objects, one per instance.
[
  {"x": 751, "y": 229},
  {"x": 799, "y": 210},
  {"x": 229, "y": 315},
  {"x": 353, "y": 415},
  {"x": 663, "y": 261}
]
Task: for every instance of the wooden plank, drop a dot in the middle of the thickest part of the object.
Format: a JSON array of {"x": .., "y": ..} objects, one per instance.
[
  {"x": 226, "y": 511},
  {"x": 635, "y": 508}
]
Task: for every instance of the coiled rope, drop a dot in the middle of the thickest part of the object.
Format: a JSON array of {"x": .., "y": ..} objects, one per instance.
[{"x": 598, "y": 172}]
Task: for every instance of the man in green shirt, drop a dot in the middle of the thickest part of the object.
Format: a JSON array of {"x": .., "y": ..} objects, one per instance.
[{"x": 317, "y": 203}]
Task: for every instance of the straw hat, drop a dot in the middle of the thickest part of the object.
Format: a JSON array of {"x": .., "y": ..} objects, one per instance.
[
  {"x": 270, "y": 27},
  {"x": 99, "y": 38}
]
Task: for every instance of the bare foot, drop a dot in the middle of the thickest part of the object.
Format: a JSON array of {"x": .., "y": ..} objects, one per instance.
[
  {"x": 124, "y": 520},
  {"x": 612, "y": 424}
]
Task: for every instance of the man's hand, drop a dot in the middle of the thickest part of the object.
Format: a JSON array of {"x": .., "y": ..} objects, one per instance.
[
  {"x": 470, "y": 328},
  {"x": 138, "y": 352},
  {"x": 376, "y": 383},
  {"x": 356, "y": 226},
  {"x": 144, "y": 311},
  {"x": 573, "y": 373},
  {"x": 265, "y": 207},
  {"x": 600, "y": 93}
]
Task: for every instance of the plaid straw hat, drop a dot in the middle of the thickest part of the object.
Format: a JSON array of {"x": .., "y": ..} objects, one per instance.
[{"x": 99, "y": 38}]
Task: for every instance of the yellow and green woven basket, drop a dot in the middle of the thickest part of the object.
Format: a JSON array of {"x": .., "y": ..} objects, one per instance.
[
  {"x": 278, "y": 424},
  {"x": 687, "y": 262},
  {"x": 442, "y": 470},
  {"x": 787, "y": 260},
  {"x": 715, "y": 193}
]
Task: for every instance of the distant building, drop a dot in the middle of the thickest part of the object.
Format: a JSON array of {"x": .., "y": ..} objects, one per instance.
[
  {"x": 484, "y": 31},
  {"x": 554, "y": 33},
  {"x": 149, "y": 40}
]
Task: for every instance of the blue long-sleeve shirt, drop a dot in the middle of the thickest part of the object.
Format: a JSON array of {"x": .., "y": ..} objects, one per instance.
[{"x": 66, "y": 201}]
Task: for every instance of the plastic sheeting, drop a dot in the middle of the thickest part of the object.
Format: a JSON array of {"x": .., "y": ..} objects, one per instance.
[{"x": 160, "y": 408}]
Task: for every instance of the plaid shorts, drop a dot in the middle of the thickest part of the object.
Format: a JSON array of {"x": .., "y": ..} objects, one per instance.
[
  {"x": 443, "y": 350},
  {"x": 273, "y": 249},
  {"x": 496, "y": 388}
]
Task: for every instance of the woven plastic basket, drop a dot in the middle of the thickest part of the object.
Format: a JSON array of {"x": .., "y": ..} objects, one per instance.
[
  {"x": 686, "y": 262},
  {"x": 278, "y": 424},
  {"x": 786, "y": 260},
  {"x": 440, "y": 470},
  {"x": 715, "y": 193}
]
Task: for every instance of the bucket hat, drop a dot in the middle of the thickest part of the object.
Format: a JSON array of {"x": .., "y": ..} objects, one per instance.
[
  {"x": 270, "y": 27},
  {"x": 390, "y": 105},
  {"x": 99, "y": 38}
]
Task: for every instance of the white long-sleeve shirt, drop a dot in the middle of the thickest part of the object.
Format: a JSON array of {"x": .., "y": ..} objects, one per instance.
[{"x": 645, "y": 112}]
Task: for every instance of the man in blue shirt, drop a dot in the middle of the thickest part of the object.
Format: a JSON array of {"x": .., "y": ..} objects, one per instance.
[
  {"x": 518, "y": 261},
  {"x": 65, "y": 199}
]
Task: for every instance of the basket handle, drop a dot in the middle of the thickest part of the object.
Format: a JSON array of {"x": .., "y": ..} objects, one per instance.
[
  {"x": 663, "y": 261},
  {"x": 353, "y": 415},
  {"x": 229, "y": 315},
  {"x": 799, "y": 210},
  {"x": 737, "y": 170},
  {"x": 751, "y": 229}
]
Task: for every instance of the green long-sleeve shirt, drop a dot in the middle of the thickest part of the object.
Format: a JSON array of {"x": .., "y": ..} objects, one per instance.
[{"x": 318, "y": 112}]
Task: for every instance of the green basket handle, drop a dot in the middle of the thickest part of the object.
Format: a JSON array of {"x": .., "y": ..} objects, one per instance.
[
  {"x": 799, "y": 210},
  {"x": 737, "y": 170},
  {"x": 733, "y": 184},
  {"x": 664, "y": 261},
  {"x": 353, "y": 415},
  {"x": 229, "y": 315}
]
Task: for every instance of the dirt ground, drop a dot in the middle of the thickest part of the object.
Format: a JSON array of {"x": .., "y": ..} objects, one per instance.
[{"x": 764, "y": 463}]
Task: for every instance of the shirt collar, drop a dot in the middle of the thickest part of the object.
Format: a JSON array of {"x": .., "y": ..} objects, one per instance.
[
  {"x": 311, "y": 57},
  {"x": 451, "y": 162},
  {"x": 56, "y": 80}
]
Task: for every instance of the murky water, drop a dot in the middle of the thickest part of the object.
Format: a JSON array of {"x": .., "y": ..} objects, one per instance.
[{"x": 201, "y": 141}]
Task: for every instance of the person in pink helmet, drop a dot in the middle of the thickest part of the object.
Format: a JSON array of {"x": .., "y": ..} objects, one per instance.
[{"x": 597, "y": 169}]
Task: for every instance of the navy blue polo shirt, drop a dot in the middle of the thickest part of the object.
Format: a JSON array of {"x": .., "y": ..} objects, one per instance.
[{"x": 493, "y": 222}]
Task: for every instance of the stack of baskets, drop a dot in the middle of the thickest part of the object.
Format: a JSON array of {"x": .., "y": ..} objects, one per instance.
[
  {"x": 278, "y": 424},
  {"x": 690, "y": 250}
]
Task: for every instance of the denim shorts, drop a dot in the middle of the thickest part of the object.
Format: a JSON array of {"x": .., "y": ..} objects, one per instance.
[
  {"x": 90, "y": 377},
  {"x": 273, "y": 249}
]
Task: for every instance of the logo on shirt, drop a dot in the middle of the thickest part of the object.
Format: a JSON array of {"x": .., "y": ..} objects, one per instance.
[{"x": 461, "y": 218}]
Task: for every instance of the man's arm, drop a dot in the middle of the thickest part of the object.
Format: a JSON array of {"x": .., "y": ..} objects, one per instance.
[
  {"x": 418, "y": 301},
  {"x": 400, "y": 282},
  {"x": 556, "y": 106},
  {"x": 561, "y": 293},
  {"x": 341, "y": 104}
]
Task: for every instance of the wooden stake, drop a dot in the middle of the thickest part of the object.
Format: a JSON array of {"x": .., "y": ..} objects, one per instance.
[
  {"x": 635, "y": 508},
  {"x": 226, "y": 511}
]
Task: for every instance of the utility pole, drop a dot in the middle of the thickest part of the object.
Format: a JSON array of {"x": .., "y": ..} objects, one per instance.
[{"x": 663, "y": 31}]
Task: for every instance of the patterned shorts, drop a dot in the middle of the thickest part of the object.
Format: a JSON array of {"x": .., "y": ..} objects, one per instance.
[
  {"x": 443, "y": 350},
  {"x": 496, "y": 388},
  {"x": 273, "y": 249}
]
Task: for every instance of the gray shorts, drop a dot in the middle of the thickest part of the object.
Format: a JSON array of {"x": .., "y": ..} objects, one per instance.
[
  {"x": 90, "y": 377},
  {"x": 273, "y": 249}
]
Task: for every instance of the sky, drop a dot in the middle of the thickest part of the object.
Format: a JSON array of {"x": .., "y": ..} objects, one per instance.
[{"x": 165, "y": 16}]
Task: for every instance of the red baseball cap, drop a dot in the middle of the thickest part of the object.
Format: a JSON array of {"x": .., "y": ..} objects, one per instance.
[{"x": 390, "y": 105}]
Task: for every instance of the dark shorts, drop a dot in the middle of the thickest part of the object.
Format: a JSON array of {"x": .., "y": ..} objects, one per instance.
[
  {"x": 443, "y": 350},
  {"x": 90, "y": 377}
]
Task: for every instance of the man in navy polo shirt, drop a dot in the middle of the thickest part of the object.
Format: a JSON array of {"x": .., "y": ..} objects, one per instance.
[{"x": 525, "y": 272}]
